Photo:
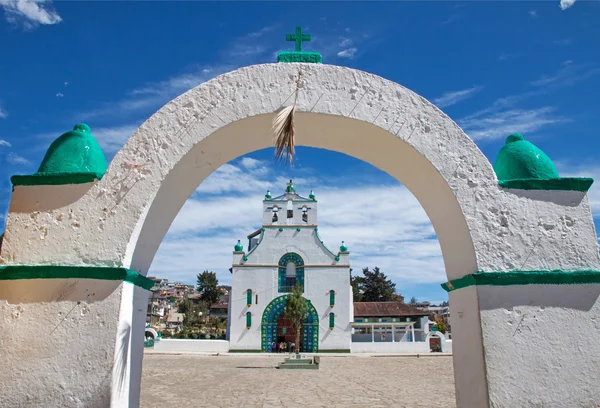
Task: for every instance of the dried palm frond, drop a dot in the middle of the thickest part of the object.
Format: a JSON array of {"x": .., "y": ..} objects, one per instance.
[{"x": 283, "y": 128}]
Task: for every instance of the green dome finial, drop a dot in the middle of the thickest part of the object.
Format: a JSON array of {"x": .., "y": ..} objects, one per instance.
[
  {"x": 268, "y": 195},
  {"x": 238, "y": 247},
  {"x": 521, "y": 160},
  {"x": 73, "y": 158},
  {"x": 75, "y": 152},
  {"x": 311, "y": 195},
  {"x": 290, "y": 187},
  {"x": 343, "y": 247}
]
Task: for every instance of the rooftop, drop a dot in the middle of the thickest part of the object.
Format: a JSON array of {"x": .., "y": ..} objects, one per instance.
[{"x": 387, "y": 309}]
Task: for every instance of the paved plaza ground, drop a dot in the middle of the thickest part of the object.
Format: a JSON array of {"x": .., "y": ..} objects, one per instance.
[{"x": 253, "y": 381}]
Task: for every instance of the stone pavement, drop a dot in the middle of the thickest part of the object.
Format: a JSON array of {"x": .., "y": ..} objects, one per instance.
[{"x": 252, "y": 381}]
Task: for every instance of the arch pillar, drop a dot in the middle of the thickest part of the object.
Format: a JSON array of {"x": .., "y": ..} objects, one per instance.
[{"x": 118, "y": 222}]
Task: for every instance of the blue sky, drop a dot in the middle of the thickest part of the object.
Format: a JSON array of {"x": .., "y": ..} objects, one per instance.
[{"x": 494, "y": 67}]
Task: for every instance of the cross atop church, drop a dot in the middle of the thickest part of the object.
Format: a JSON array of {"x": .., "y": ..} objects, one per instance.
[
  {"x": 298, "y": 55},
  {"x": 298, "y": 37}
]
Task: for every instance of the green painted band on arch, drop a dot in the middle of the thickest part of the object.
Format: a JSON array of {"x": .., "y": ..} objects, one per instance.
[
  {"x": 523, "y": 278},
  {"x": 18, "y": 272},
  {"x": 582, "y": 184},
  {"x": 54, "y": 179}
]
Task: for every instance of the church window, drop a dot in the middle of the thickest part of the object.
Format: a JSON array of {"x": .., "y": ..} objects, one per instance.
[
  {"x": 249, "y": 297},
  {"x": 331, "y": 298},
  {"x": 305, "y": 215},
  {"x": 248, "y": 320},
  {"x": 275, "y": 217},
  {"x": 291, "y": 272},
  {"x": 256, "y": 299},
  {"x": 331, "y": 321}
]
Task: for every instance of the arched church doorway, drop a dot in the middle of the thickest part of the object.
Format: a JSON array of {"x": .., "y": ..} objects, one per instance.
[{"x": 276, "y": 328}]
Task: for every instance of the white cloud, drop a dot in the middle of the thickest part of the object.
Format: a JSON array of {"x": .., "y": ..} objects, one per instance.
[
  {"x": 454, "y": 97},
  {"x": 503, "y": 116},
  {"x": 345, "y": 42},
  {"x": 250, "y": 163},
  {"x": 229, "y": 178},
  {"x": 14, "y": 158},
  {"x": 153, "y": 95},
  {"x": 500, "y": 124},
  {"x": 111, "y": 139},
  {"x": 66, "y": 83},
  {"x": 30, "y": 13},
  {"x": 60, "y": 95},
  {"x": 565, "y": 4},
  {"x": 3, "y": 114},
  {"x": 347, "y": 53},
  {"x": 567, "y": 74},
  {"x": 533, "y": 13},
  {"x": 570, "y": 169},
  {"x": 383, "y": 225},
  {"x": 242, "y": 51},
  {"x": 5, "y": 143}
]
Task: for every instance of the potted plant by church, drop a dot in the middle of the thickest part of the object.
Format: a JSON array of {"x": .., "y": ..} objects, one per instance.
[{"x": 295, "y": 309}]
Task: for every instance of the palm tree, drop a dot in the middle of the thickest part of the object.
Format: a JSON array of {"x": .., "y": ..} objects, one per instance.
[{"x": 295, "y": 309}]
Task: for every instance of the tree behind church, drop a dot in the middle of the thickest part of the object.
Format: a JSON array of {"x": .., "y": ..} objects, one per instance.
[
  {"x": 295, "y": 309},
  {"x": 207, "y": 285},
  {"x": 374, "y": 286}
]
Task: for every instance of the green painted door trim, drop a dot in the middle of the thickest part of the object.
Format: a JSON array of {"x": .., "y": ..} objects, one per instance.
[
  {"x": 523, "y": 278},
  {"x": 18, "y": 272},
  {"x": 562, "y": 184}
]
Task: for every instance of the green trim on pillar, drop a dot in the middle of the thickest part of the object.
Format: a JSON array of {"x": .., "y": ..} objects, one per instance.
[
  {"x": 18, "y": 272},
  {"x": 73, "y": 158},
  {"x": 332, "y": 298},
  {"x": 248, "y": 320},
  {"x": 54, "y": 179},
  {"x": 511, "y": 278},
  {"x": 331, "y": 321},
  {"x": 582, "y": 184}
]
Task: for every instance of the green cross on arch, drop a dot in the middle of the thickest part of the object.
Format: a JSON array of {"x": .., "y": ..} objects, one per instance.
[{"x": 298, "y": 37}]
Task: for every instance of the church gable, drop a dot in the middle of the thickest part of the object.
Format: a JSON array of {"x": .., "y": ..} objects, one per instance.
[{"x": 289, "y": 226}]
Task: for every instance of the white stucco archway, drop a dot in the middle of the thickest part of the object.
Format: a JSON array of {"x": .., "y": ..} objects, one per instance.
[{"x": 121, "y": 220}]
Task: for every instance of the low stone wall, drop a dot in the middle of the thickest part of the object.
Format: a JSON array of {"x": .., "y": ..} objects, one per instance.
[
  {"x": 191, "y": 346},
  {"x": 389, "y": 347}
]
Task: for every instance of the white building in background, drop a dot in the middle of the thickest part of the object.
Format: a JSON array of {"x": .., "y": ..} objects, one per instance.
[{"x": 286, "y": 251}]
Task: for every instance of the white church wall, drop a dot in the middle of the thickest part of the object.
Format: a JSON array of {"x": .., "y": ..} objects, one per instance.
[
  {"x": 389, "y": 347},
  {"x": 318, "y": 283},
  {"x": 263, "y": 282},
  {"x": 191, "y": 346}
]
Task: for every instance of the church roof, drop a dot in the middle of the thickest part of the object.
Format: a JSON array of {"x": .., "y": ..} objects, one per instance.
[
  {"x": 386, "y": 309},
  {"x": 255, "y": 233},
  {"x": 289, "y": 194}
]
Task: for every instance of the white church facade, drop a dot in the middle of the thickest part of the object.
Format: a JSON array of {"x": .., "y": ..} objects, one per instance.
[{"x": 286, "y": 251}]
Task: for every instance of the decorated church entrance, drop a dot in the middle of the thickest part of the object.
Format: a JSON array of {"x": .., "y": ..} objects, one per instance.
[{"x": 276, "y": 328}]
